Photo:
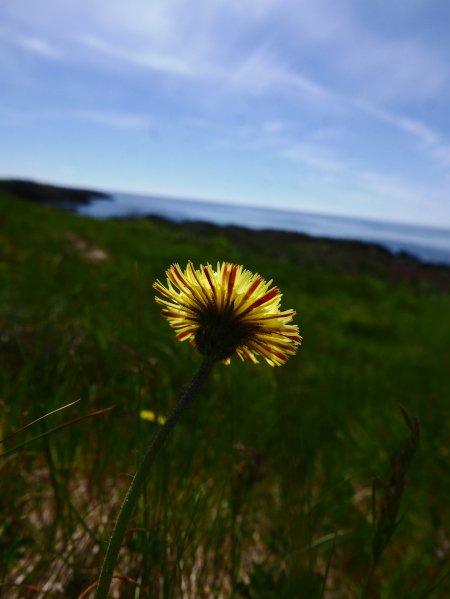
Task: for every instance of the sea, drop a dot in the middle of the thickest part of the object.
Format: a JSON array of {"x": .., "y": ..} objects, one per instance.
[{"x": 428, "y": 244}]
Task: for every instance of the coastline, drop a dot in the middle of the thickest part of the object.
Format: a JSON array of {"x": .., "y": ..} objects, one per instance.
[
  {"x": 339, "y": 255},
  {"x": 347, "y": 257},
  {"x": 67, "y": 198}
]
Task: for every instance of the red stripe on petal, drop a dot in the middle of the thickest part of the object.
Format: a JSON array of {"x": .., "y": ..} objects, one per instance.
[
  {"x": 173, "y": 279},
  {"x": 249, "y": 356},
  {"x": 207, "y": 275},
  {"x": 181, "y": 278},
  {"x": 239, "y": 355},
  {"x": 252, "y": 288},
  {"x": 283, "y": 339},
  {"x": 224, "y": 276},
  {"x": 169, "y": 314},
  {"x": 267, "y": 297},
  {"x": 277, "y": 316},
  {"x": 284, "y": 346},
  {"x": 165, "y": 302},
  {"x": 277, "y": 354},
  {"x": 290, "y": 334},
  {"x": 165, "y": 292},
  {"x": 185, "y": 334},
  {"x": 232, "y": 279},
  {"x": 274, "y": 352},
  {"x": 196, "y": 278}
]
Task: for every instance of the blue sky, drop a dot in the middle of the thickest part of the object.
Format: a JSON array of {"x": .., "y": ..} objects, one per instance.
[{"x": 338, "y": 106}]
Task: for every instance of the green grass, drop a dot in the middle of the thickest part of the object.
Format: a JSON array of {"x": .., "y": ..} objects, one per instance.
[{"x": 266, "y": 466}]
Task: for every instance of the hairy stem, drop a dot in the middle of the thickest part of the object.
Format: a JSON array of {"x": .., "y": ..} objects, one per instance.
[{"x": 141, "y": 475}]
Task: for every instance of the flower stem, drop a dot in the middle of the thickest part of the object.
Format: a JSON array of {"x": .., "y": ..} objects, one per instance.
[{"x": 141, "y": 475}]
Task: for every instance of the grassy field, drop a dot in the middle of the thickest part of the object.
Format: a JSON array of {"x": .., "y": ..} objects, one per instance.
[{"x": 265, "y": 491}]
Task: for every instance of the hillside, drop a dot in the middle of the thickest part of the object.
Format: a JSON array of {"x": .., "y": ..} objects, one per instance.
[{"x": 266, "y": 487}]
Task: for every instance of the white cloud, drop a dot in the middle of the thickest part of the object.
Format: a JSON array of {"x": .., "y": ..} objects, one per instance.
[
  {"x": 123, "y": 121},
  {"x": 272, "y": 127},
  {"x": 430, "y": 140},
  {"x": 303, "y": 83},
  {"x": 317, "y": 157},
  {"x": 419, "y": 130},
  {"x": 298, "y": 80},
  {"x": 200, "y": 36},
  {"x": 143, "y": 58},
  {"x": 387, "y": 70},
  {"x": 248, "y": 43},
  {"x": 39, "y": 46}
]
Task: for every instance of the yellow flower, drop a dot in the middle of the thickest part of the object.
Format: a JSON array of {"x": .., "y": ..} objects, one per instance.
[
  {"x": 228, "y": 311},
  {"x": 151, "y": 416}
]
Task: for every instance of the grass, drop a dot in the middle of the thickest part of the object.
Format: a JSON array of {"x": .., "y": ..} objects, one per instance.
[{"x": 265, "y": 489}]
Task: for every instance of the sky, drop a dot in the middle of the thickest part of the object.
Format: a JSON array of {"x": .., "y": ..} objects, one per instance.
[{"x": 330, "y": 106}]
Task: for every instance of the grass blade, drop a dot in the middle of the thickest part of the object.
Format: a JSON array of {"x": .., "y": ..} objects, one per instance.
[
  {"x": 37, "y": 420},
  {"x": 13, "y": 449}
]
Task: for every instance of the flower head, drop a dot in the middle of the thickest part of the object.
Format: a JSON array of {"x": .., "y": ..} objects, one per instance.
[
  {"x": 228, "y": 311},
  {"x": 151, "y": 416}
]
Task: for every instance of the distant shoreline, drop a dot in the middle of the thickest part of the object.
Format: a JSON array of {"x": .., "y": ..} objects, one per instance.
[
  {"x": 50, "y": 195},
  {"x": 345, "y": 256},
  {"x": 348, "y": 257}
]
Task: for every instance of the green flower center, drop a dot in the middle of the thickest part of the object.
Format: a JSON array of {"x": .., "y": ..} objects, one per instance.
[{"x": 219, "y": 335}]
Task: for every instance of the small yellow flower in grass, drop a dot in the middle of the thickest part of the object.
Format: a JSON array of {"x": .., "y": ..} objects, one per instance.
[
  {"x": 228, "y": 311},
  {"x": 151, "y": 416}
]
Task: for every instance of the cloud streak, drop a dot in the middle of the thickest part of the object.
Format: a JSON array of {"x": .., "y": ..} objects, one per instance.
[{"x": 340, "y": 91}]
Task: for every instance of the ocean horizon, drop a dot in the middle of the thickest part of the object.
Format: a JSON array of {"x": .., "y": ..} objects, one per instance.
[{"x": 428, "y": 244}]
